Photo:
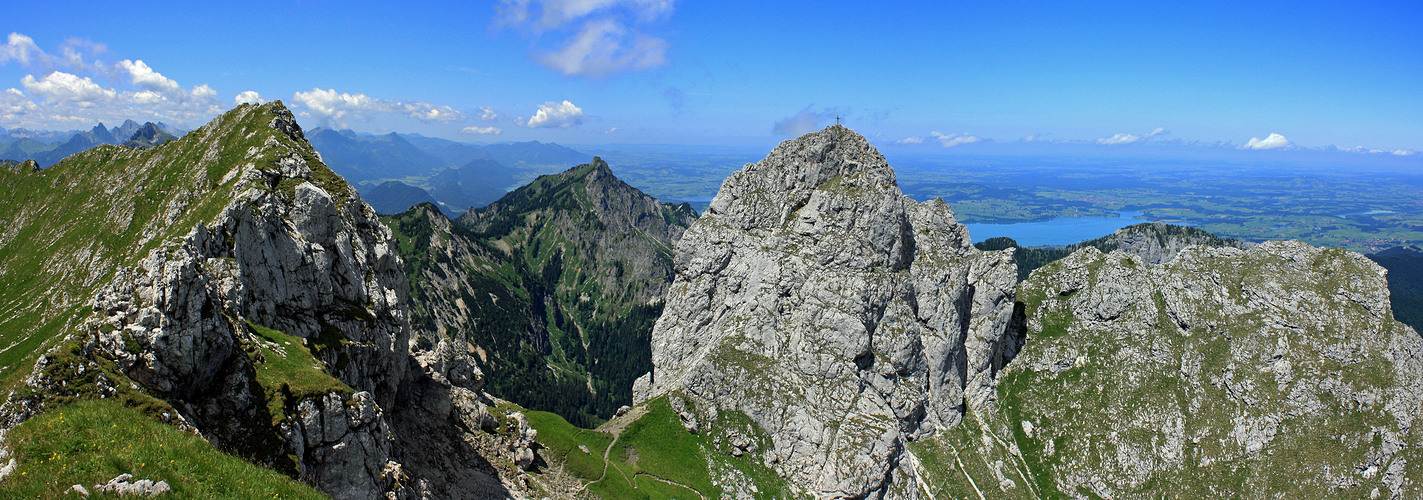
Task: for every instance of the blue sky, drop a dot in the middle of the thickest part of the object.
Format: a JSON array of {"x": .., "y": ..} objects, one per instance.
[{"x": 930, "y": 76}]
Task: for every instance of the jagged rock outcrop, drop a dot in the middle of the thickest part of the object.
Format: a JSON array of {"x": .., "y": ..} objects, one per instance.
[
  {"x": 1224, "y": 372},
  {"x": 842, "y": 317},
  {"x": 121, "y": 486},
  {"x": 1158, "y": 243},
  {"x": 253, "y": 291},
  {"x": 1154, "y": 242},
  {"x": 289, "y": 255}
]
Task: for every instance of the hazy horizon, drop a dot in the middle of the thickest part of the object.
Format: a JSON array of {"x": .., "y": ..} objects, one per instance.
[{"x": 921, "y": 78}]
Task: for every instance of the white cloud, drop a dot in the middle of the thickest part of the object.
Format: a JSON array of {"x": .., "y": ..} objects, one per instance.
[
  {"x": 482, "y": 130},
  {"x": 68, "y": 95},
  {"x": 488, "y": 114},
  {"x": 603, "y": 47},
  {"x": 431, "y": 113},
  {"x": 1404, "y": 152},
  {"x": 20, "y": 48},
  {"x": 339, "y": 108},
  {"x": 611, "y": 131},
  {"x": 951, "y": 140},
  {"x": 593, "y": 38},
  {"x": 1119, "y": 139},
  {"x": 555, "y": 114},
  {"x": 147, "y": 97},
  {"x": 1273, "y": 141},
  {"x": 910, "y": 140},
  {"x": 64, "y": 87},
  {"x": 15, "y": 107},
  {"x": 1158, "y": 131},
  {"x": 63, "y": 99},
  {"x": 249, "y": 97},
  {"x": 144, "y": 76}
]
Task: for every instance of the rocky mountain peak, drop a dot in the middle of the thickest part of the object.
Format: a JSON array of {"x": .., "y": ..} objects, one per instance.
[
  {"x": 147, "y": 136},
  {"x": 600, "y": 169},
  {"x": 798, "y": 166},
  {"x": 840, "y": 316}
]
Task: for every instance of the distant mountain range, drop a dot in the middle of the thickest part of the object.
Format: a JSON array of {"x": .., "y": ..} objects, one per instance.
[
  {"x": 390, "y": 170},
  {"x": 48, "y": 147}
]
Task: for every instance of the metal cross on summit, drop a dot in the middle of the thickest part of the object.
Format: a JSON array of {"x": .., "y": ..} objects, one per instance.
[{"x": 837, "y": 119}]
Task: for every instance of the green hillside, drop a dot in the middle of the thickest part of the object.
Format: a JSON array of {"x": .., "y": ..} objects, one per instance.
[{"x": 558, "y": 283}]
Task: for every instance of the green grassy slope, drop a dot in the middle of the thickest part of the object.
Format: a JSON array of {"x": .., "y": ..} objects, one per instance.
[
  {"x": 90, "y": 442},
  {"x": 650, "y": 455}
]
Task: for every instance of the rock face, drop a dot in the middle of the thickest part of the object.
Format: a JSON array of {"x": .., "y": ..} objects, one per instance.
[
  {"x": 1277, "y": 371},
  {"x": 842, "y": 317},
  {"x": 268, "y": 308},
  {"x": 305, "y": 262},
  {"x": 1159, "y": 243}
]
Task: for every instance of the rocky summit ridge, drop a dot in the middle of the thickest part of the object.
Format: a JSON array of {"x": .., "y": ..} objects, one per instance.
[
  {"x": 1277, "y": 371},
  {"x": 842, "y": 317},
  {"x": 237, "y": 288}
]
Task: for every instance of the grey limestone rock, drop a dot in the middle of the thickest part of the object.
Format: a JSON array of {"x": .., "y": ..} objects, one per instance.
[
  {"x": 1277, "y": 370},
  {"x": 842, "y": 317},
  {"x": 522, "y": 447},
  {"x": 123, "y": 485}
]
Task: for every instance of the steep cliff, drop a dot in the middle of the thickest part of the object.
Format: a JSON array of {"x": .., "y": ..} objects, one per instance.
[
  {"x": 234, "y": 286},
  {"x": 841, "y": 317},
  {"x": 1224, "y": 372}
]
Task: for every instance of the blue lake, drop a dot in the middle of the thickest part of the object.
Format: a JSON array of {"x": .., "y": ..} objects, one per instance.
[{"x": 1061, "y": 231}]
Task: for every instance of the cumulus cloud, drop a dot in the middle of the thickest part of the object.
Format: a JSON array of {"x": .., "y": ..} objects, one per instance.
[
  {"x": 249, "y": 97},
  {"x": 488, "y": 114},
  {"x": 145, "y": 77},
  {"x": 1273, "y": 141},
  {"x": 1158, "y": 131},
  {"x": 1119, "y": 139},
  {"x": 68, "y": 95},
  {"x": 803, "y": 122},
  {"x": 555, "y": 114},
  {"x": 340, "y": 108},
  {"x": 1404, "y": 152},
  {"x": 61, "y": 87},
  {"x": 594, "y": 38},
  {"x": 951, "y": 140},
  {"x": 910, "y": 140},
  {"x": 482, "y": 130}
]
